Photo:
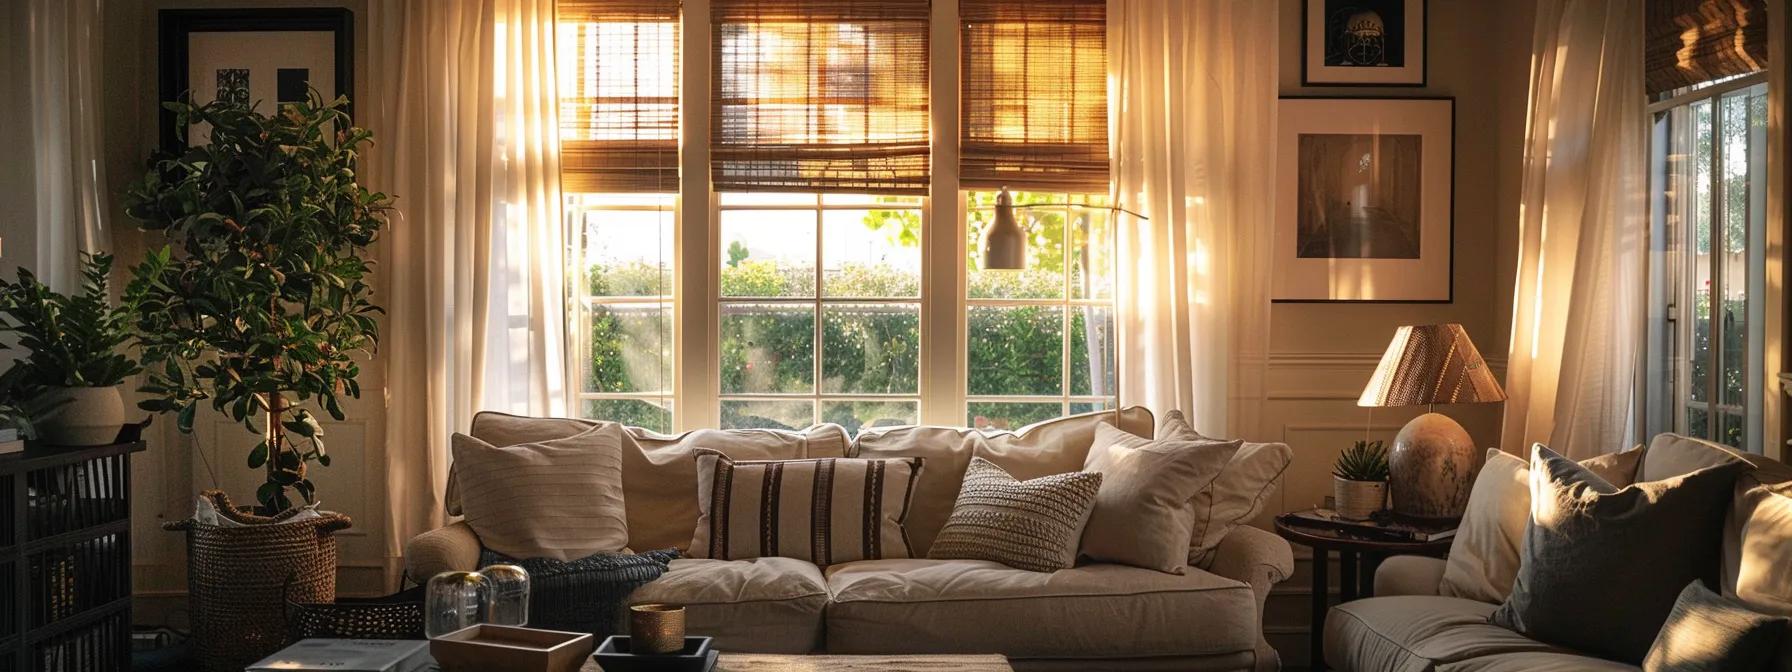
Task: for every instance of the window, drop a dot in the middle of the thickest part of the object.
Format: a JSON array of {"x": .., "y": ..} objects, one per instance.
[
  {"x": 621, "y": 340},
  {"x": 821, "y": 312},
  {"x": 1040, "y": 341}
]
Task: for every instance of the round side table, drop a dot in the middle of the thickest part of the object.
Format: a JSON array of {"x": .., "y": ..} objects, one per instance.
[{"x": 1358, "y": 557}]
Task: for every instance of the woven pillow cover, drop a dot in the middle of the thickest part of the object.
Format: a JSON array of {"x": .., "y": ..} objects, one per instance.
[
  {"x": 1033, "y": 525},
  {"x": 560, "y": 499},
  {"x": 825, "y": 511}
]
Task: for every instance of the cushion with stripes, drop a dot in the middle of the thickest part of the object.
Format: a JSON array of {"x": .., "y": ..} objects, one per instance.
[
  {"x": 1032, "y": 525},
  {"x": 824, "y": 510}
]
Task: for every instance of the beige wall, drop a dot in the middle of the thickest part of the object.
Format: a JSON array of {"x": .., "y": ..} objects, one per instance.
[{"x": 1322, "y": 354}]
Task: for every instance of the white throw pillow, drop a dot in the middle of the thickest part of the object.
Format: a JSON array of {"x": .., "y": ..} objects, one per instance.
[
  {"x": 1484, "y": 556},
  {"x": 1239, "y": 493},
  {"x": 559, "y": 498},
  {"x": 1150, "y": 494}
]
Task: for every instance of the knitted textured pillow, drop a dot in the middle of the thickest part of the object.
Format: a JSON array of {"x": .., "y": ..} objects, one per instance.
[{"x": 1033, "y": 525}]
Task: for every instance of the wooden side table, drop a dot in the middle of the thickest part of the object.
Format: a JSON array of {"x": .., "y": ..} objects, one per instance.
[{"x": 1358, "y": 558}]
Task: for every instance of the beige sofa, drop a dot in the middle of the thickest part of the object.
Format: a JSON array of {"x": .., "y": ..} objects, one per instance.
[
  {"x": 1092, "y": 617},
  {"x": 1409, "y": 627}
]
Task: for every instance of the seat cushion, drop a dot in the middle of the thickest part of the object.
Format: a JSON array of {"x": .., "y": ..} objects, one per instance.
[
  {"x": 1416, "y": 632},
  {"x": 1090, "y": 612},
  {"x": 764, "y": 605},
  {"x": 1536, "y": 661}
]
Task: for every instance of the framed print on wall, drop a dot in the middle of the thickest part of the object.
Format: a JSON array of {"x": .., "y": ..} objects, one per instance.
[
  {"x": 1363, "y": 43},
  {"x": 1364, "y": 191},
  {"x": 264, "y": 56}
]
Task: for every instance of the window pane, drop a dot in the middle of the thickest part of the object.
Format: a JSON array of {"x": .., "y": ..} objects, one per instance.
[
  {"x": 768, "y": 348},
  {"x": 1699, "y": 352},
  {"x": 630, "y": 348},
  {"x": 795, "y": 414},
  {"x": 1092, "y": 267},
  {"x": 1043, "y": 277},
  {"x": 1091, "y": 351},
  {"x": 1011, "y": 415},
  {"x": 765, "y": 198},
  {"x": 872, "y": 253},
  {"x": 653, "y": 415},
  {"x": 871, "y": 348},
  {"x": 1089, "y": 406},
  {"x": 1016, "y": 350},
  {"x": 769, "y": 253},
  {"x": 626, "y": 252},
  {"x": 894, "y": 201},
  {"x": 854, "y": 415}
]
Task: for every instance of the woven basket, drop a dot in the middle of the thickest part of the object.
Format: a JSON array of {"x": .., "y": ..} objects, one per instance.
[
  {"x": 239, "y": 579},
  {"x": 398, "y": 616}
]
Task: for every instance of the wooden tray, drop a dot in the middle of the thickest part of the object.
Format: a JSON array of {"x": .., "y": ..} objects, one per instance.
[{"x": 503, "y": 648}]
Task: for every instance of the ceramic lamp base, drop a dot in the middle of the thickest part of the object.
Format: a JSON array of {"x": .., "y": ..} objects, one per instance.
[{"x": 1432, "y": 468}]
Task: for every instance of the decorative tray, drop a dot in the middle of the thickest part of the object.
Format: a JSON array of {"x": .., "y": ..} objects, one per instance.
[{"x": 614, "y": 656}]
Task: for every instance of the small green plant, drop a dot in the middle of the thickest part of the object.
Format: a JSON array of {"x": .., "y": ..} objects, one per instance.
[
  {"x": 76, "y": 340},
  {"x": 1365, "y": 461}
]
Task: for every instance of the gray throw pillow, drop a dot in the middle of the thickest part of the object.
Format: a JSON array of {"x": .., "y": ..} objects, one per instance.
[
  {"x": 1602, "y": 566},
  {"x": 1707, "y": 631}
]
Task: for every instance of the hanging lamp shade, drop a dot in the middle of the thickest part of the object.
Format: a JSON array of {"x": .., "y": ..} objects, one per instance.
[
  {"x": 1431, "y": 364},
  {"x": 1004, "y": 242}
]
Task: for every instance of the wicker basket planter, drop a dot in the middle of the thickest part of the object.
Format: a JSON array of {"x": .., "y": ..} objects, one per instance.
[{"x": 240, "y": 578}]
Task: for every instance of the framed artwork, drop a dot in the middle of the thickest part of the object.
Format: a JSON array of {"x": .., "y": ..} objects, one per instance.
[
  {"x": 1363, "y": 43},
  {"x": 262, "y": 56},
  {"x": 1364, "y": 200}
]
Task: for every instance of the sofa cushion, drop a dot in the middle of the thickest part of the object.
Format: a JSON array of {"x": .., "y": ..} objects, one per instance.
[
  {"x": 1088, "y": 612},
  {"x": 820, "y": 510},
  {"x": 1416, "y": 633},
  {"x": 559, "y": 499},
  {"x": 1671, "y": 455},
  {"x": 1041, "y": 449},
  {"x": 1239, "y": 493},
  {"x": 764, "y": 605},
  {"x": 1707, "y": 631},
  {"x": 1537, "y": 661},
  {"x": 659, "y": 472},
  {"x": 1146, "y": 510},
  {"x": 1033, "y": 524}
]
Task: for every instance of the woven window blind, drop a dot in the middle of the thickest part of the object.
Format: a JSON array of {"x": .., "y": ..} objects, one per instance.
[
  {"x": 1688, "y": 42},
  {"x": 1034, "y": 94},
  {"x": 618, "y": 63},
  {"x": 820, "y": 95}
]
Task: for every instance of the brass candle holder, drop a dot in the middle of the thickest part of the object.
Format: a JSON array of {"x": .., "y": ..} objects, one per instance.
[{"x": 656, "y": 628}]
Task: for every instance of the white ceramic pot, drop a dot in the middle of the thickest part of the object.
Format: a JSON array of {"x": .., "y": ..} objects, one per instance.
[
  {"x": 90, "y": 416},
  {"x": 1355, "y": 500}
]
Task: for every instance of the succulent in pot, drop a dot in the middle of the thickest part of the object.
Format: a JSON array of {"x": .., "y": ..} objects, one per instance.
[
  {"x": 1360, "y": 480},
  {"x": 72, "y": 377}
]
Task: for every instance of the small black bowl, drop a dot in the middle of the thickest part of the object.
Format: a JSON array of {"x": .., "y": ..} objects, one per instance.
[{"x": 614, "y": 656}]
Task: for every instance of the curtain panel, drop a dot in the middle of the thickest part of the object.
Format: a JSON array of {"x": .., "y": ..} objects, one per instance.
[
  {"x": 467, "y": 143},
  {"x": 1194, "y": 121},
  {"x": 1578, "y": 312},
  {"x": 61, "y": 86}
]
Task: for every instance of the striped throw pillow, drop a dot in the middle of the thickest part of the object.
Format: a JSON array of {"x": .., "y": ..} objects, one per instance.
[
  {"x": 1032, "y": 525},
  {"x": 558, "y": 499},
  {"x": 825, "y": 511}
]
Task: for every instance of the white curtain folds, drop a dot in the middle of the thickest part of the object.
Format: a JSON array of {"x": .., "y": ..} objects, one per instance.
[
  {"x": 466, "y": 140},
  {"x": 1577, "y": 317},
  {"x": 1193, "y": 117},
  {"x": 64, "y": 42}
]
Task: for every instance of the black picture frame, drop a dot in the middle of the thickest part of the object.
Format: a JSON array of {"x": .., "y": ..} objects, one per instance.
[
  {"x": 1449, "y": 296},
  {"x": 1307, "y": 46},
  {"x": 175, "y": 26}
]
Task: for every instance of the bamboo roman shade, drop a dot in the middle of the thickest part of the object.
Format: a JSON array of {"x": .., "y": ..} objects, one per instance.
[
  {"x": 820, "y": 95},
  {"x": 1034, "y": 93},
  {"x": 618, "y": 95},
  {"x": 1688, "y": 42}
]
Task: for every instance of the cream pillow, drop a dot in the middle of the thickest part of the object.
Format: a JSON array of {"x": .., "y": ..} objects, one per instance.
[
  {"x": 824, "y": 511},
  {"x": 1239, "y": 493},
  {"x": 1032, "y": 525},
  {"x": 558, "y": 498},
  {"x": 1145, "y": 511},
  {"x": 1484, "y": 555}
]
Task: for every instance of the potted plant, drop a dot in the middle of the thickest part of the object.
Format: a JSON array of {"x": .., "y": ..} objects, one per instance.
[
  {"x": 72, "y": 376},
  {"x": 257, "y": 308},
  {"x": 1360, "y": 480}
]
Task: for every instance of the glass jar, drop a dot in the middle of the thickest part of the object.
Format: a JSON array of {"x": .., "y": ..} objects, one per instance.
[
  {"x": 455, "y": 600},
  {"x": 510, "y": 594}
]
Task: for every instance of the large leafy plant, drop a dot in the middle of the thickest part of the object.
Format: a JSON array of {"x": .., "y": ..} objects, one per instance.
[
  {"x": 76, "y": 340},
  {"x": 260, "y": 301}
]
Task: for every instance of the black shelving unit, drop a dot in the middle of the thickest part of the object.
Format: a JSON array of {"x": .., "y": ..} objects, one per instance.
[{"x": 65, "y": 546}]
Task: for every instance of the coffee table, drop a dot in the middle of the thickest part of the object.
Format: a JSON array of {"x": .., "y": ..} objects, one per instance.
[{"x": 776, "y": 662}]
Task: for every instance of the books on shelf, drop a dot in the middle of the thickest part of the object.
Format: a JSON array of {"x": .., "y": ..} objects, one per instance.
[
  {"x": 1386, "y": 529},
  {"x": 350, "y": 655}
]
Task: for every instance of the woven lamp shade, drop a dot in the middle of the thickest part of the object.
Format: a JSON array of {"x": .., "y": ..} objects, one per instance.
[{"x": 1431, "y": 364}]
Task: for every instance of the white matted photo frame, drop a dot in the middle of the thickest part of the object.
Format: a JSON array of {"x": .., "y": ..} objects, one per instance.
[
  {"x": 1364, "y": 200},
  {"x": 267, "y": 56},
  {"x": 1363, "y": 43}
]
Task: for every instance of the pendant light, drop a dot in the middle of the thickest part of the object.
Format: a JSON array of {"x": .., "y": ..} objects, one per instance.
[{"x": 1004, "y": 242}]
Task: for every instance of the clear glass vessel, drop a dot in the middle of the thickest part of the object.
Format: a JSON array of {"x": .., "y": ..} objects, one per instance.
[
  {"x": 510, "y": 594},
  {"x": 455, "y": 600}
]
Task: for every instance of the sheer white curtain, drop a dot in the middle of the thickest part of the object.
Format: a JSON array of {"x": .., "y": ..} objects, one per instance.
[
  {"x": 466, "y": 140},
  {"x": 62, "y": 86},
  {"x": 1193, "y": 115},
  {"x": 1577, "y": 317}
]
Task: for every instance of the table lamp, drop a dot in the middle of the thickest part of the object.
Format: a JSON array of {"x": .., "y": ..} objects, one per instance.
[{"x": 1434, "y": 462}]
